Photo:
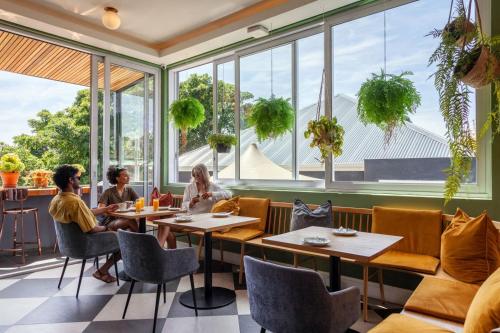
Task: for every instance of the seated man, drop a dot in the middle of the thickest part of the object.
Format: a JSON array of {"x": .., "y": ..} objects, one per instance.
[{"x": 68, "y": 207}]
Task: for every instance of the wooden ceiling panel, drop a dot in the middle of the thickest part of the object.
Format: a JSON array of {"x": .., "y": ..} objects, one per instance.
[{"x": 28, "y": 56}]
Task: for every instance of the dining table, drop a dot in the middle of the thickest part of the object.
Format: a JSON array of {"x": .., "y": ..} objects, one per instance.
[{"x": 208, "y": 296}]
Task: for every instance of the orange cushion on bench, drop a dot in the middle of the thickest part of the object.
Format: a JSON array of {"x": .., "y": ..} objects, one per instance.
[
  {"x": 444, "y": 299},
  {"x": 408, "y": 261},
  {"x": 421, "y": 229},
  {"x": 255, "y": 207},
  {"x": 470, "y": 248},
  {"x": 224, "y": 206},
  {"x": 401, "y": 323},
  {"x": 484, "y": 312}
]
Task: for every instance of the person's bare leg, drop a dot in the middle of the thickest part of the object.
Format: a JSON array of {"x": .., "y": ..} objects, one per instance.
[
  {"x": 125, "y": 224},
  {"x": 163, "y": 232},
  {"x": 171, "y": 240},
  {"x": 102, "y": 273}
]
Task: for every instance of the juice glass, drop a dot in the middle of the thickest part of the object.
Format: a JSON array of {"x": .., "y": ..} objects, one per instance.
[
  {"x": 156, "y": 204},
  {"x": 141, "y": 200},
  {"x": 138, "y": 207}
]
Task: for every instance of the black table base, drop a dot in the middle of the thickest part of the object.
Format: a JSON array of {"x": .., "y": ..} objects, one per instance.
[
  {"x": 220, "y": 297},
  {"x": 335, "y": 273}
]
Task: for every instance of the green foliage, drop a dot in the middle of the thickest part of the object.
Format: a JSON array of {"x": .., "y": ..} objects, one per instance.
[
  {"x": 223, "y": 139},
  {"x": 327, "y": 135},
  {"x": 10, "y": 162},
  {"x": 452, "y": 63},
  {"x": 271, "y": 118},
  {"x": 80, "y": 167},
  {"x": 386, "y": 100},
  {"x": 187, "y": 113}
]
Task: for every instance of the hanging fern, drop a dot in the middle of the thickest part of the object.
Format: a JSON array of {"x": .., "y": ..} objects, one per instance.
[
  {"x": 386, "y": 100},
  {"x": 271, "y": 118},
  {"x": 187, "y": 113}
]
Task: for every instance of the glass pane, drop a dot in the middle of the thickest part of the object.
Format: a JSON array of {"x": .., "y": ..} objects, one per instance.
[
  {"x": 225, "y": 116},
  {"x": 151, "y": 120},
  {"x": 265, "y": 74}
]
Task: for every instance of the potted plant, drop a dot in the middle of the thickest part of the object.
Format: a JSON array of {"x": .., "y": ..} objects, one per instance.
[
  {"x": 327, "y": 135},
  {"x": 271, "y": 118},
  {"x": 386, "y": 100},
  {"x": 460, "y": 31},
  {"x": 221, "y": 142},
  {"x": 475, "y": 64},
  {"x": 187, "y": 113},
  {"x": 40, "y": 177},
  {"x": 10, "y": 169}
]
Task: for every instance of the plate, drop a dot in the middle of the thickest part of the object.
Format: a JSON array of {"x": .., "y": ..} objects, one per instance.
[
  {"x": 173, "y": 209},
  {"x": 344, "y": 232},
  {"x": 183, "y": 219},
  {"x": 126, "y": 210},
  {"x": 316, "y": 241},
  {"x": 226, "y": 214},
  {"x": 164, "y": 208}
]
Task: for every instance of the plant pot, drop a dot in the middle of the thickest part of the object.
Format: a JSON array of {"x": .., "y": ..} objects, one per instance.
[
  {"x": 9, "y": 179},
  {"x": 460, "y": 30},
  {"x": 40, "y": 181},
  {"x": 222, "y": 148},
  {"x": 477, "y": 76}
]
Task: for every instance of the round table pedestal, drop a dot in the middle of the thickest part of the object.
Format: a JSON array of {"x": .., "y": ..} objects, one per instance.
[{"x": 220, "y": 297}]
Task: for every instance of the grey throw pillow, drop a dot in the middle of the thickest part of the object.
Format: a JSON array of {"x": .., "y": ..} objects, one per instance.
[{"x": 303, "y": 216}]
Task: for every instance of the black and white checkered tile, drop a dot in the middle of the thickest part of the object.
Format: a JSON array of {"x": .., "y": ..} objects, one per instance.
[{"x": 32, "y": 303}]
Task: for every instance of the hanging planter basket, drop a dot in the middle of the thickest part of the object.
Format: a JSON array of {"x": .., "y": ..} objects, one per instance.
[
  {"x": 223, "y": 148},
  {"x": 460, "y": 30},
  {"x": 221, "y": 142},
  {"x": 478, "y": 67}
]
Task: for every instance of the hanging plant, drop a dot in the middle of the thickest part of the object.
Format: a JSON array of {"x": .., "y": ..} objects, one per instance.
[
  {"x": 271, "y": 118},
  {"x": 474, "y": 63},
  {"x": 386, "y": 100},
  {"x": 221, "y": 142},
  {"x": 327, "y": 135},
  {"x": 187, "y": 113},
  {"x": 460, "y": 31}
]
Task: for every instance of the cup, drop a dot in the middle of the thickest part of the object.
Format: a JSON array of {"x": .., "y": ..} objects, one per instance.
[
  {"x": 141, "y": 200},
  {"x": 138, "y": 206},
  {"x": 129, "y": 204},
  {"x": 122, "y": 206},
  {"x": 156, "y": 204}
]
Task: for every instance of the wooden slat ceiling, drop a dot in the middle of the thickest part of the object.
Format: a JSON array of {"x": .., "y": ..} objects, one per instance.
[{"x": 28, "y": 56}]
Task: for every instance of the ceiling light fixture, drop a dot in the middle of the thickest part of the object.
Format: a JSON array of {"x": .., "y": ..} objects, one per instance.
[
  {"x": 110, "y": 18},
  {"x": 257, "y": 31}
]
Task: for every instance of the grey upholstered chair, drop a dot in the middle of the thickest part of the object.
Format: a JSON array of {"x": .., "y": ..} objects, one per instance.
[
  {"x": 74, "y": 243},
  {"x": 144, "y": 260},
  {"x": 286, "y": 299}
]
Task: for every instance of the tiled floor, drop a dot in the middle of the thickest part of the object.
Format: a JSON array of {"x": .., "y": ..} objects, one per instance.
[{"x": 32, "y": 303}]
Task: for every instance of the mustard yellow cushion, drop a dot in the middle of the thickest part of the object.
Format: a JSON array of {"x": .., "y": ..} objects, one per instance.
[
  {"x": 239, "y": 234},
  {"x": 421, "y": 229},
  {"x": 484, "y": 311},
  {"x": 408, "y": 261},
  {"x": 469, "y": 248},
  {"x": 223, "y": 206},
  {"x": 444, "y": 299},
  {"x": 255, "y": 207},
  {"x": 401, "y": 323}
]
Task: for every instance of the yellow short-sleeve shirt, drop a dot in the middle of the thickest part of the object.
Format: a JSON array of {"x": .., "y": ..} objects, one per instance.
[{"x": 67, "y": 207}]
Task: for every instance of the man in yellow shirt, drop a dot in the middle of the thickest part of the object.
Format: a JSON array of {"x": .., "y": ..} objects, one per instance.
[{"x": 68, "y": 207}]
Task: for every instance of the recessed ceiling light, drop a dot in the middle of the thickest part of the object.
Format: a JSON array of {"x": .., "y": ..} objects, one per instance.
[
  {"x": 257, "y": 31},
  {"x": 110, "y": 18}
]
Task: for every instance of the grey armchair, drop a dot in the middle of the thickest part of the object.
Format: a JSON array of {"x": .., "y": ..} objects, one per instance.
[
  {"x": 144, "y": 260},
  {"x": 74, "y": 243},
  {"x": 285, "y": 299}
]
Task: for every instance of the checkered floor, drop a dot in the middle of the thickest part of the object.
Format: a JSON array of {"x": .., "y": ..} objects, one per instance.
[{"x": 32, "y": 303}]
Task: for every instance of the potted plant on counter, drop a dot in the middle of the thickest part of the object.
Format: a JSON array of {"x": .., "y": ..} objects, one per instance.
[
  {"x": 187, "y": 113},
  {"x": 41, "y": 177},
  {"x": 10, "y": 169},
  {"x": 221, "y": 142},
  {"x": 271, "y": 117}
]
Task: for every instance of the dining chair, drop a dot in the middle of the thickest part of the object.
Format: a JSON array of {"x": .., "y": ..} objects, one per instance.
[
  {"x": 145, "y": 261},
  {"x": 74, "y": 243},
  {"x": 287, "y": 299}
]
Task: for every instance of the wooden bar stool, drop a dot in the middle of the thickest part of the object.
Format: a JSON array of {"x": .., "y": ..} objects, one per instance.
[{"x": 19, "y": 195}]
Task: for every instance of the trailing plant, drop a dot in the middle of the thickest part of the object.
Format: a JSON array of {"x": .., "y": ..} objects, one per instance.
[
  {"x": 271, "y": 118},
  {"x": 386, "y": 100},
  {"x": 187, "y": 113},
  {"x": 458, "y": 66},
  {"x": 11, "y": 163},
  {"x": 222, "y": 139},
  {"x": 327, "y": 135},
  {"x": 41, "y": 177}
]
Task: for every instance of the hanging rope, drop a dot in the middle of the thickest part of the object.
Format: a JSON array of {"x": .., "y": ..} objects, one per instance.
[
  {"x": 318, "y": 107},
  {"x": 385, "y": 45}
]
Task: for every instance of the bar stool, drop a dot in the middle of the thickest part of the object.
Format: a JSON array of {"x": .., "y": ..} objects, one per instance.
[{"x": 19, "y": 195}]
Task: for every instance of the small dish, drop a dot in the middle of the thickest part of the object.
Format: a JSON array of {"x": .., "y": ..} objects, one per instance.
[
  {"x": 221, "y": 214},
  {"x": 344, "y": 232},
  {"x": 126, "y": 210},
  {"x": 173, "y": 209},
  {"x": 316, "y": 241},
  {"x": 184, "y": 218},
  {"x": 164, "y": 208}
]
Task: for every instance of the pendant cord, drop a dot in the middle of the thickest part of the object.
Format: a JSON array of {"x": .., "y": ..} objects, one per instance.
[{"x": 385, "y": 44}]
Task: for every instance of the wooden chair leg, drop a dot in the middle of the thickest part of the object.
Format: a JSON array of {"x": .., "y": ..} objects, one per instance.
[
  {"x": 295, "y": 260},
  {"x": 263, "y": 254},
  {"x": 242, "y": 254},
  {"x": 22, "y": 239},
  {"x": 188, "y": 234},
  {"x": 200, "y": 245},
  {"x": 365, "y": 293},
  {"x": 381, "y": 284},
  {"x": 37, "y": 229},
  {"x": 14, "y": 236}
]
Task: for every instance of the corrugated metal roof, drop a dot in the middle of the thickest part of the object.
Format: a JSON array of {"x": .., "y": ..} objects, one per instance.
[{"x": 360, "y": 142}]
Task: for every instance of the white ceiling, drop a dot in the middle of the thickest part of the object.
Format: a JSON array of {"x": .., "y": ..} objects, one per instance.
[{"x": 160, "y": 31}]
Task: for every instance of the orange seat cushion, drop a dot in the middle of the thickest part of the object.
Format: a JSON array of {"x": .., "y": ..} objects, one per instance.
[
  {"x": 408, "y": 261},
  {"x": 470, "y": 248},
  {"x": 421, "y": 229},
  {"x": 484, "y": 311},
  {"x": 222, "y": 206},
  {"x": 239, "y": 234},
  {"x": 401, "y": 323},
  {"x": 255, "y": 207},
  {"x": 444, "y": 299}
]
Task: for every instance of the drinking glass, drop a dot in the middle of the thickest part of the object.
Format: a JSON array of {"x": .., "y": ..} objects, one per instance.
[{"x": 156, "y": 204}]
